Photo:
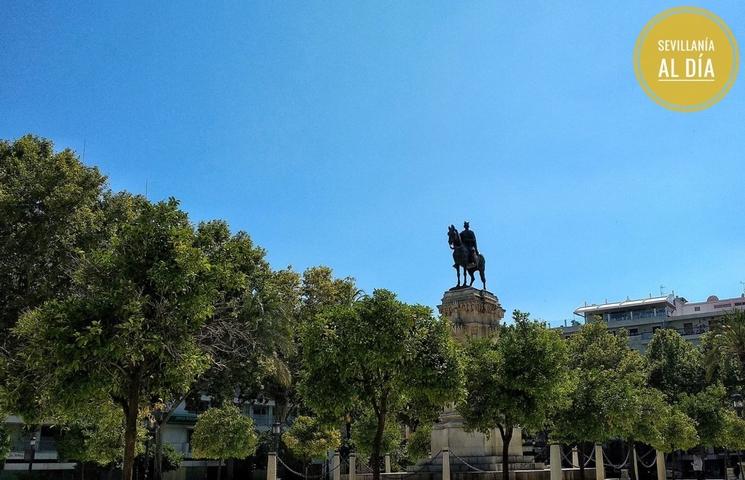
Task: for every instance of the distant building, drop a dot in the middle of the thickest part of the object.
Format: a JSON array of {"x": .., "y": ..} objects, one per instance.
[
  {"x": 176, "y": 433},
  {"x": 642, "y": 317}
]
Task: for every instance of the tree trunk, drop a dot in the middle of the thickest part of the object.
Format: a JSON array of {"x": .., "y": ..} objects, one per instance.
[
  {"x": 219, "y": 469},
  {"x": 506, "y": 433},
  {"x": 130, "y": 430},
  {"x": 375, "y": 455},
  {"x": 229, "y": 466},
  {"x": 581, "y": 456}
]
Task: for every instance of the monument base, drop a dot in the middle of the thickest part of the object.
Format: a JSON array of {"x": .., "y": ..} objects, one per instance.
[
  {"x": 450, "y": 433},
  {"x": 473, "y": 313}
]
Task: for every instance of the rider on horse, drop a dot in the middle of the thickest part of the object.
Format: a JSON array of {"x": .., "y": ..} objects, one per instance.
[{"x": 468, "y": 238}]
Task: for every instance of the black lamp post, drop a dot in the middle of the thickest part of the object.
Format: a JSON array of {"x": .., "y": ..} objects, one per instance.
[
  {"x": 737, "y": 404},
  {"x": 276, "y": 431},
  {"x": 32, "y": 445}
]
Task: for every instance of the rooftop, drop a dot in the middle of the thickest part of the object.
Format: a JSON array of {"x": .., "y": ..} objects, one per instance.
[{"x": 624, "y": 304}]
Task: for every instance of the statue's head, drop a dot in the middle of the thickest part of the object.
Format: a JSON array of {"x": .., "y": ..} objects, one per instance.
[{"x": 466, "y": 225}]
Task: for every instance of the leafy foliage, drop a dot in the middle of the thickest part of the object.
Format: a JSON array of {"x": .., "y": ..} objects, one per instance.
[
  {"x": 308, "y": 438},
  {"x": 675, "y": 365},
  {"x": 4, "y": 443},
  {"x": 604, "y": 396},
  {"x": 128, "y": 327},
  {"x": 518, "y": 379},
  {"x": 420, "y": 443},
  {"x": 365, "y": 428},
  {"x": 373, "y": 356},
  {"x": 223, "y": 433},
  {"x": 94, "y": 433}
]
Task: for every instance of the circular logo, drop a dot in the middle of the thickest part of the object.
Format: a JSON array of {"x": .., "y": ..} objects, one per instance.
[{"x": 686, "y": 59}]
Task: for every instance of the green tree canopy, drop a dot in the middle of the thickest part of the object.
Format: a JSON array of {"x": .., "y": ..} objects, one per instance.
[
  {"x": 223, "y": 433},
  {"x": 374, "y": 355},
  {"x": 128, "y": 327},
  {"x": 675, "y": 365},
  {"x": 517, "y": 379},
  {"x": 308, "y": 438},
  {"x": 605, "y": 395}
]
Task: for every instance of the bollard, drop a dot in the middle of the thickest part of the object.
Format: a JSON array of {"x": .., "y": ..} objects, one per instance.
[
  {"x": 445, "y": 464},
  {"x": 271, "y": 466},
  {"x": 575, "y": 457},
  {"x": 661, "y": 469},
  {"x": 352, "y": 466},
  {"x": 599, "y": 465},
  {"x": 335, "y": 466},
  {"x": 387, "y": 463},
  {"x": 555, "y": 459}
]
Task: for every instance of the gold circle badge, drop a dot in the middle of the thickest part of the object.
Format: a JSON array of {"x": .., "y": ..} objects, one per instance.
[{"x": 686, "y": 59}]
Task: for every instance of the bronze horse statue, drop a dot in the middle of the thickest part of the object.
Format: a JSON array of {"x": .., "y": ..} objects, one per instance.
[{"x": 460, "y": 257}]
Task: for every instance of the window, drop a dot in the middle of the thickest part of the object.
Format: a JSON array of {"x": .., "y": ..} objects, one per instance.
[
  {"x": 633, "y": 331},
  {"x": 260, "y": 410},
  {"x": 696, "y": 309},
  {"x": 687, "y": 329}
]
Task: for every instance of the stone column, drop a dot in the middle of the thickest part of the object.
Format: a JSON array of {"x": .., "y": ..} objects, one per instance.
[
  {"x": 599, "y": 465},
  {"x": 575, "y": 457},
  {"x": 661, "y": 469},
  {"x": 352, "y": 466},
  {"x": 445, "y": 464},
  {"x": 271, "y": 466},
  {"x": 387, "y": 463},
  {"x": 336, "y": 466},
  {"x": 555, "y": 459}
]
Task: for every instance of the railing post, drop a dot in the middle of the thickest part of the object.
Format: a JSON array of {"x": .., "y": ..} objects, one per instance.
[
  {"x": 446, "y": 464},
  {"x": 661, "y": 468},
  {"x": 599, "y": 465},
  {"x": 387, "y": 463},
  {"x": 352, "y": 466},
  {"x": 271, "y": 466},
  {"x": 555, "y": 460},
  {"x": 636, "y": 463},
  {"x": 575, "y": 457},
  {"x": 335, "y": 466}
]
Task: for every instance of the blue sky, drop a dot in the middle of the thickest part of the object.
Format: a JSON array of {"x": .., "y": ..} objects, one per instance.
[{"x": 352, "y": 134}]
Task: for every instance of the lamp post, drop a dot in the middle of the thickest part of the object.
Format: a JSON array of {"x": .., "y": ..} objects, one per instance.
[
  {"x": 737, "y": 404},
  {"x": 32, "y": 446},
  {"x": 276, "y": 431}
]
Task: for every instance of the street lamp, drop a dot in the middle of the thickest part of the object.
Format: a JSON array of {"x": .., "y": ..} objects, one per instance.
[
  {"x": 737, "y": 404},
  {"x": 276, "y": 430},
  {"x": 33, "y": 452}
]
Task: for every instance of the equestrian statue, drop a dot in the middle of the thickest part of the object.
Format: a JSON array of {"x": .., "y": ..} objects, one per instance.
[{"x": 466, "y": 254}]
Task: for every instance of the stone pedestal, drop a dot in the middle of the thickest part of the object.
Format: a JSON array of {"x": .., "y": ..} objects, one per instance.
[{"x": 474, "y": 313}]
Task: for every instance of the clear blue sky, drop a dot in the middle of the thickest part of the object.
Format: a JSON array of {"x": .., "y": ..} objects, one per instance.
[{"x": 352, "y": 134}]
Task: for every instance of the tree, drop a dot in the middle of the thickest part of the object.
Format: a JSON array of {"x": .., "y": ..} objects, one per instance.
[
  {"x": 127, "y": 329},
  {"x": 94, "y": 433},
  {"x": 51, "y": 209},
  {"x": 308, "y": 438},
  {"x": 223, "y": 433},
  {"x": 708, "y": 409},
  {"x": 604, "y": 394},
  {"x": 373, "y": 355},
  {"x": 4, "y": 444},
  {"x": 365, "y": 430},
  {"x": 724, "y": 351},
  {"x": 50, "y": 205},
  {"x": 675, "y": 366},
  {"x": 517, "y": 379}
]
